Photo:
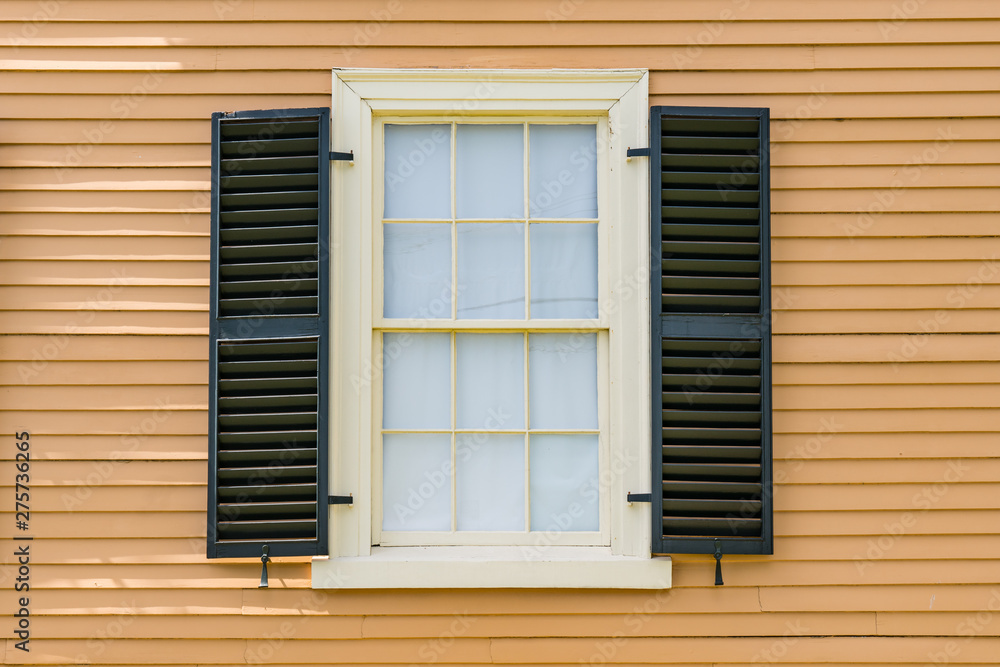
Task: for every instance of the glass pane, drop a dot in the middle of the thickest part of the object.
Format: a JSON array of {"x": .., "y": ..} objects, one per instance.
[
  {"x": 564, "y": 270},
  {"x": 564, "y": 482},
  {"x": 490, "y": 481},
  {"x": 417, "y": 171},
  {"x": 416, "y": 481},
  {"x": 490, "y": 381},
  {"x": 491, "y": 271},
  {"x": 416, "y": 391},
  {"x": 562, "y": 171},
  {"x": 489, "y": 171},
  {"x": 562, "y": 380},
  {"x": 417, "y": 261}
]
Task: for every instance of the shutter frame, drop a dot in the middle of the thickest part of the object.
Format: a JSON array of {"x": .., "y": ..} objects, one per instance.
[
  {"x": 307, "y": 322},
  {"x": 703, "y": 321}
]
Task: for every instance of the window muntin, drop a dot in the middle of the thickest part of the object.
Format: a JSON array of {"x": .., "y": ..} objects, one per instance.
[{"x": 495, "y": 248}]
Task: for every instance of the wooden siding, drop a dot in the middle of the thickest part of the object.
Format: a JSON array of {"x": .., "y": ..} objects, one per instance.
[{"x": 886, "y": 179}]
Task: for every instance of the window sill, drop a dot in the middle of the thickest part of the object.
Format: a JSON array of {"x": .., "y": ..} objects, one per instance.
[{"x": 491, "y": 567}]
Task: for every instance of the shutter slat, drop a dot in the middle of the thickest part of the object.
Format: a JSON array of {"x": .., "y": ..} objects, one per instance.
[
  {"x": 714, "y": 471},
  {"x": 268, "y": 306},
  {"x": 713, "y": 434},
  {"x": 695, "y": 398},
  {"x": 289, "y": 216},
  {"x": 700, "y": 382},
  {"x": 282, "y": 146},
  {"x": 717, "y": 303},
  {"x": 710, "y": 489},
  {"x": 270, "y": 277},
  {"x": 711, "y": 231},
  {"x": 672, "y": 418},
  {"x": 681, "y": 212},
  {"x": 712, "y": 453},
  {"x": 715, "y": 179},
  {"x": 261, "y": 271},
  {"x": 291, "y": 286},
  {"x": 258, "y": 201},
  {"x": 710, "y": 249},
  {"x": 679, "y": 126},
  {"x": 711, "y": 410},
  {"x": 251, "y": 456},
  {"x": 238, "y": 404},
  {"x": 268, "y": 530},
  {"x": 712, "y": 196},
  {"x": 273, "y": 438},
  {"x": 743, "y": 164},
  {"x": 732, "y": 526},
  {"x": 308, "y": 164},
  {"x": 274, "y": 421},
  {"x": 678, "y": 507}
]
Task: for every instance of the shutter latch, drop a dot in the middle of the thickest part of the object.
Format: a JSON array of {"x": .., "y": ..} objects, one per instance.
[
  {"x": 340, "y": 500},
  {"x": 345, "y": 157},
  {"x": 639, "y": 497},
  {"x": 636, "y": 152},
  {"x": 718, "y": 563}
]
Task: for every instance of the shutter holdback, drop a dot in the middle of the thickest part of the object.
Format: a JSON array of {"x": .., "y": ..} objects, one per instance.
[
  {"x": 718, "y": 563},
  {"x": 264, "y": 559}
]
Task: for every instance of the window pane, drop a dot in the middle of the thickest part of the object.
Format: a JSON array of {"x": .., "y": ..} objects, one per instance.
[
  {"x": 417, "y": 261},
  {"x": 490, "y": 381},
  {"x": 491, "y": 271},
  {"x": 490, "y": 481},
  {"x": 416, "y": 481},
  {"x": 562, "y": 380},
  {"x": 489, "y": 171},
  {"x": 564, "y": 270},
  {"x": 416, "y": 391},
  {"x": 417, "y": 171},
  {"x": 564, "y": 482},
  {"x": 563, "y": 171}
]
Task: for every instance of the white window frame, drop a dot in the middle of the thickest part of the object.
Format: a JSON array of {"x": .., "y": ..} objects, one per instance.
[{"x": 360, "y": 98}]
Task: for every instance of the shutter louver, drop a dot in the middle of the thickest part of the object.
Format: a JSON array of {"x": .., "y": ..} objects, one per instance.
[
  {"x": 270, "y": 294},
  {"x": 711, "y": 330}
]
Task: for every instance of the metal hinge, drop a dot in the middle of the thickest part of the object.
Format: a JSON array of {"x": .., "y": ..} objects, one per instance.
[
  {"x": 340, "y": 500},
  {"x": 345, "y": 157},
  {"x": 639, "y": 497},
  {"x": 636, "y": 152}
]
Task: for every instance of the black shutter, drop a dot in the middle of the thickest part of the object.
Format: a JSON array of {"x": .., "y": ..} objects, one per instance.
[
  {"x": 270, "y": 295},
  {"x": 711, "y": 330}
]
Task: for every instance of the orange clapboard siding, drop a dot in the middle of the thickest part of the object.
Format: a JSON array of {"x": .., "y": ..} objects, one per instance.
[
  {"x": 345, "y": 33},
  {"x": 884, "y": 185},
  {"x": 455, "y": 10},
  {"x": 106, "y": 372}
]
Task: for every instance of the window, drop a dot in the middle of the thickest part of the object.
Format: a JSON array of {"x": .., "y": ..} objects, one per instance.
[
  {"x": 490, "y": 333},
  {"x": 435, "y": 357},
  {"x": 505, "y": 295}
]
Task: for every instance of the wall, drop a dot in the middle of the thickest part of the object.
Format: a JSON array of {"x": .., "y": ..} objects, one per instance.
[{"x": 885, "y": 173}]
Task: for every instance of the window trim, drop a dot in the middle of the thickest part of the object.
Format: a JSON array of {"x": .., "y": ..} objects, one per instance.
[{"x": 360, "y": 96}]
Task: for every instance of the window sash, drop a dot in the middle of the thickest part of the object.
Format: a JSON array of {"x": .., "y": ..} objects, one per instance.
[{"x": 382, "y": 324}]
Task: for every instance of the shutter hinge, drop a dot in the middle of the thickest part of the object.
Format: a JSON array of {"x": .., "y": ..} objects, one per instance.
[
  {"x": 345, "y": 157},
  {"x": 639, "y": 497},
  {"x": 340, "y": 500},
  {"x": 636, "y": 152}
]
